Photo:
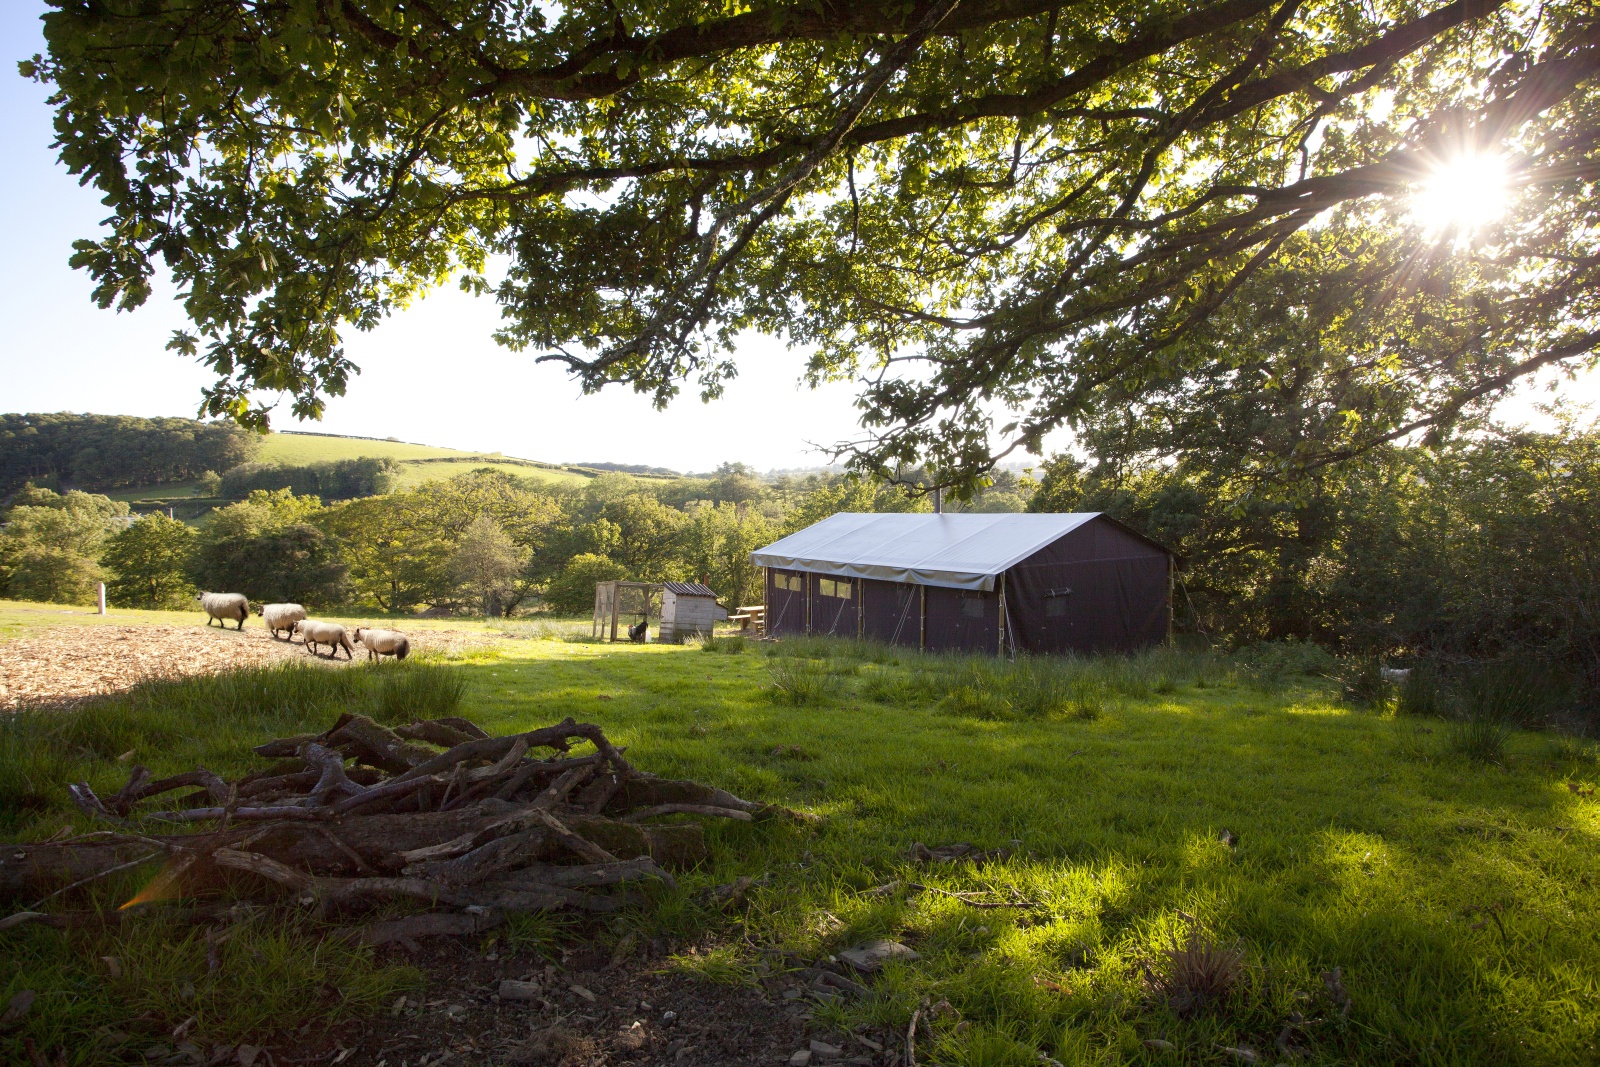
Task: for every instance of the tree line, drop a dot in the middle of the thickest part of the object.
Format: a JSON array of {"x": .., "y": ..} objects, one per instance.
[
  {"x": 485, "y": 542},
  {"x": 107, "y": 452}
]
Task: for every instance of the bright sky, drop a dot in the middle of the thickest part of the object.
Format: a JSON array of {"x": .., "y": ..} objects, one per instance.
[{"x": 431, "y": 374}]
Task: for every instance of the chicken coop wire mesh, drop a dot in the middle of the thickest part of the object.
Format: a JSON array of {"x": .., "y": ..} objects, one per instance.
[{"x": 620, "y": 605}]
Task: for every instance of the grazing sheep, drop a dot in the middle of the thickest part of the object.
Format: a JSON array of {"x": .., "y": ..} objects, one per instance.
[
  {"x": 383, "y": 642},
  {"x": 1396, "y": 675},
  {"x": 282, "y": 617},
  {"x": 223, "y": 606},
  {"x": 325, "y": 633}
]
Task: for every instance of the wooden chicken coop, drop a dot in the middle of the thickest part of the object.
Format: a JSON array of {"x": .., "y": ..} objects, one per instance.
[{"x": 625, "y": 608}]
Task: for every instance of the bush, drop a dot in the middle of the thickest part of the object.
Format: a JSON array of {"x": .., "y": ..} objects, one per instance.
[
  {"x": 572, "y": 591},
  {"x": 730, "y": 645},
  {"x": 1274, "y": 664},
  {"x": 1361, "y": 682}
]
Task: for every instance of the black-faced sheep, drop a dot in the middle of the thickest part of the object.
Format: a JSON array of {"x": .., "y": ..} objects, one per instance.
[
  {"x": 223, "y": 606},
  {"x": 282, "y": 617},
  {"x": 325, "y": 633},
  {"x": 383, "y": 642}
]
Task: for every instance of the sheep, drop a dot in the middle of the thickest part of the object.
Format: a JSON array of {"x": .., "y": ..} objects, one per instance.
[
  {"x": 383, "y": 642},
  {"x": 282, "y": 617},
  {"x": 325, "y": 633},
  {"x": 223, "y": 606},
  {"x": 1395, "y": 675}
]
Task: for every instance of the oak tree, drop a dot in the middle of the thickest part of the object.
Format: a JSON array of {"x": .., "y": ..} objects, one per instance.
[{"x": 988, "y": 211}]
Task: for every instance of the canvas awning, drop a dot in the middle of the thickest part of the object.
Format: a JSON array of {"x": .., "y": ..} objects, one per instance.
[{"x": 963, "y": 551}]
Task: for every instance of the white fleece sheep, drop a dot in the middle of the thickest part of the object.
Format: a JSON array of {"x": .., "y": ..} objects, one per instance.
[
  {"x": 282, "y": 617},
  {"x": 325, "y": 633},
  {"x": 221, "y": 606},
  {"x": 383, "y": 642}
]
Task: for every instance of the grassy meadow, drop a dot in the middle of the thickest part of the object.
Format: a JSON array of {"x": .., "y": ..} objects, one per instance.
[
  {"x": 418, "y": 463},
  {"x": 1195, "y": 847}
]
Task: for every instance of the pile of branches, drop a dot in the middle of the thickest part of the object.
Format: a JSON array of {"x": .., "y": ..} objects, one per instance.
[{"x": 363, "y": 813}]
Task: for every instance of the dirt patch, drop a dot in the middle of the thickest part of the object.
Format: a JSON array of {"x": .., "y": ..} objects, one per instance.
[
  {"x": 585, "y": 1013},
  {"x": 65, "y": 665}
]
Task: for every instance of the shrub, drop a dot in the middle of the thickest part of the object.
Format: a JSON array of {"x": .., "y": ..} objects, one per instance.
[
  {"x": 1422, "y": 694},
  {"x": 1273, "y": 664},
  {"x": 1361, "y": 682},
  {"x": 572, "y": 591}
]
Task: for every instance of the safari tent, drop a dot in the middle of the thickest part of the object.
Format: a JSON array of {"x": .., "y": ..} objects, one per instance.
[{"x": 1079, "y": 582}]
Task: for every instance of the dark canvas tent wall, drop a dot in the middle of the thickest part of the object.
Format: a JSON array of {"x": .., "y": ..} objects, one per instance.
[{"x": 982, "y": 583}]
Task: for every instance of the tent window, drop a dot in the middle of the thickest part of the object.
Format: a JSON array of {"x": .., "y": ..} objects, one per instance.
[
  {"x": 1055, "y": 607},
  {"x": 834, "y": 587},
  {"x": 792, "y": 582},
  {"x": 972, "y": 607}
]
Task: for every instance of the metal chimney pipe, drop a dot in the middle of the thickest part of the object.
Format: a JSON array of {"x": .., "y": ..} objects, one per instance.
[{"x": 938, "y": 500}]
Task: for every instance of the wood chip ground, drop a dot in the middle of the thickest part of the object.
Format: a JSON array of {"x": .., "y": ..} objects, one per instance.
[{"x": 63, "y": 665}]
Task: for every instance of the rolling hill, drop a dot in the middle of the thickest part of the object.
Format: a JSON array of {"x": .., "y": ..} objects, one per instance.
[{"x": 418, "y": 464}]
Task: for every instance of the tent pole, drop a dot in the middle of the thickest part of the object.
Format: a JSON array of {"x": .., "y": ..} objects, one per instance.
[
  {"x": 922, "y": 623},
  {"x": 1000, "y": 647},
  {"x": 1171, "y": 570}
]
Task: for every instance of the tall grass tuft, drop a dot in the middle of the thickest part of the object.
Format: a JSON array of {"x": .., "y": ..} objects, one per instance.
[
  {"x": 1422, "y": 694},
  {"x": 215, "y": 716},
  {"x": 731, "y": 645},
  {"x": 1200, "y": 973},
  {"x": 803, "y": 681},
  {"x": 1480, "y": 738},
  {"x": 411, "y": 691}
]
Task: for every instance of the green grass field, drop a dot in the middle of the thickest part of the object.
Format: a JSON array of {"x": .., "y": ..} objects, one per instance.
[
  {"x": 294, "y": 449},
  {"x": 1145, "y": 800},
  {"x": 419, "y": 464}
]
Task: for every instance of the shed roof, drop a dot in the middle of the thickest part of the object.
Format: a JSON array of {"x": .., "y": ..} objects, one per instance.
[
  {"x": 689, "y": 589},
  {"x": 964, "y": 551}
]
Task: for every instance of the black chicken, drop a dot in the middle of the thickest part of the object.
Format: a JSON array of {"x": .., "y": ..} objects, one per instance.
[{"x": 636, "y": 632}]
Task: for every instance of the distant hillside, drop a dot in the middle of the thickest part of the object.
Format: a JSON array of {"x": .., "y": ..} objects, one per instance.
[
  {"x": 158, "y": 462},
  {"x": 418, "y": 463}
]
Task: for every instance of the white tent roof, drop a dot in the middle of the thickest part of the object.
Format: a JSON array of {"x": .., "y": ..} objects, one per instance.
[{"x": 957, "y": 551}]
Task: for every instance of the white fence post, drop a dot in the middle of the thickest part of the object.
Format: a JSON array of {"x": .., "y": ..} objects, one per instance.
[{"x": 102, "y": 598}]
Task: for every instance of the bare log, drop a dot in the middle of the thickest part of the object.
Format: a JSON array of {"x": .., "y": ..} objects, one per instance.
[
  {"x": 688, "y": 809},
  {"x": 359, "y": 736},
  {"x": 446, "y": 733},
  {"x": 331, "y": 778}
]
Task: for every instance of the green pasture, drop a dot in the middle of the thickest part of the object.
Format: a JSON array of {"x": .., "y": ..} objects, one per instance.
[
  {"x": 294, "y": 449},
  {"x": 419, "y": 464},
  {"x": 1148, "y": 804}
]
